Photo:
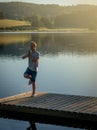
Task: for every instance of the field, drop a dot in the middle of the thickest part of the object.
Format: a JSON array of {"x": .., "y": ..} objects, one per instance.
[{"x": 12, "y": 23}]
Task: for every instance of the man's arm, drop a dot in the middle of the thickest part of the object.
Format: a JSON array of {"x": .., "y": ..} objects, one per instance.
[{"x": 25, "y": 56}]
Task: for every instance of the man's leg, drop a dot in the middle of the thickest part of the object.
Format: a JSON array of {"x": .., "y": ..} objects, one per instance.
[
  {"x": 33, "y": 88},
  {"x": 26, "y": 76},
  {"x": 33, "y": 77}
]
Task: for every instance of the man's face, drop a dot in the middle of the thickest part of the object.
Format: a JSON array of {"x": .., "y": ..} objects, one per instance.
[{"x": 32, "y": 46}]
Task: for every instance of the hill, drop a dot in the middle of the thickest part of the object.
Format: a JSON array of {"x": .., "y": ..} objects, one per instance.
[
  {"x": 20, "y": 10},
  {"x": 13, "y": 10}
]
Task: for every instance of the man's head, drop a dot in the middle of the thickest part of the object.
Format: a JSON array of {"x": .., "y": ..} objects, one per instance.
[{"x": 33, "y": 45}]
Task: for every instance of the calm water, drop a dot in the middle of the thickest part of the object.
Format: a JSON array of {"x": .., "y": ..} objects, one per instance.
[{"x": 68, "y": 65}]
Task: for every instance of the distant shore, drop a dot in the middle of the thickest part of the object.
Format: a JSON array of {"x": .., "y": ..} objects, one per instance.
[
  {"x": 51, "y": 31},
  {"x": 16, "y": 26}
]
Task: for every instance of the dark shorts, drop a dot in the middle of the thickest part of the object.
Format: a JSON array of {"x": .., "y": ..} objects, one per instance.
[{"x": 31, "y": 73}]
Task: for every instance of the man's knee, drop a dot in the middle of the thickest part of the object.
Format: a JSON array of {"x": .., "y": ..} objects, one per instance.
[{"x": 26, "y": 76}]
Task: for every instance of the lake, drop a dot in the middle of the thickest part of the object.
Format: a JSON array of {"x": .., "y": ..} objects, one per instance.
[{"x": 67, "y": 65}]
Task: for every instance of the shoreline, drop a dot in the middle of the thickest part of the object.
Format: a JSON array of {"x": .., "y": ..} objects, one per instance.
[{"x": 48, "y": 31}]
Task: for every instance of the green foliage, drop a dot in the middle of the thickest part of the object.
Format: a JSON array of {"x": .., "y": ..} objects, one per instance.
[
  {"x": 34, "y": 20},
  {"x": 1, "y": 15},
  {"x": 46, "y": 22},
  {"x": 77, "y": 19}
]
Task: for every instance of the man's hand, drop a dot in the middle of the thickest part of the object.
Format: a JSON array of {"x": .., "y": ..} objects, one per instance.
[{"x": 25, "y": 56}]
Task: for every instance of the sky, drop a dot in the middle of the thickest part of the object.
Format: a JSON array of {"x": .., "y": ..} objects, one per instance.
[{"x": 59, "y": 2}]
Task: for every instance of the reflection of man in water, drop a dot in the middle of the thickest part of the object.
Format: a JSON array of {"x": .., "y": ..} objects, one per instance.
[{"x": 32, "y": 126}]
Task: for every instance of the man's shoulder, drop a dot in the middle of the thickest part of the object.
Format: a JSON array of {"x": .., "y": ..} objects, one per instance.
[{"x": 37, "y": 52}]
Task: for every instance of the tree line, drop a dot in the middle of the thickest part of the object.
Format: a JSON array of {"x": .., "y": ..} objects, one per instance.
[{"x": 72, "y": 20}]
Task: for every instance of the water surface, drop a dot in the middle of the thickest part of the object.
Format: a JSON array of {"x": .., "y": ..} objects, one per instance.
[{"x": 68, "y": 65}]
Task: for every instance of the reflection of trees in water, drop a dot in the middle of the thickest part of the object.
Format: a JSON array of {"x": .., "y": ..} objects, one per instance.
[
  {"x": 79, "y": 44},
  {"x": 12, "y": 49},
  {"x": 14, "y": 38},
  {"x": 53, "y": 44}
]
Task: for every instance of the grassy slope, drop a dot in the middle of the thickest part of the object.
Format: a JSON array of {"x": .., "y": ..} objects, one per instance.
[{"x": 12, "y": 23}]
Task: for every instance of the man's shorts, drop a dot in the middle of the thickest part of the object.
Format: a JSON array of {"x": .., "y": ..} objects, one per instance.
[{"x": 31, "y": 73}]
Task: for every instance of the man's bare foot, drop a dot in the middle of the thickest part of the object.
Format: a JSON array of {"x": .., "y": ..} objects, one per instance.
[
  {"x": 33, "y": 94},
  {"x": 30, "y": 82}
]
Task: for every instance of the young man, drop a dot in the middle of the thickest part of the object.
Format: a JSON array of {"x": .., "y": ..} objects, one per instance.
[{"x": 31, "y": 71}]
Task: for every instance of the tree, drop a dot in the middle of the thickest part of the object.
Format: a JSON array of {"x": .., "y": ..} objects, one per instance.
[
  {"x": 1, "y": 15},
  {"x": 35, "y": 21},
  {"x": 46, "y": 22}
]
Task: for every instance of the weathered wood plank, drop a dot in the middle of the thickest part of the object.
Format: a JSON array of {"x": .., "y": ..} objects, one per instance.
[
  {"x": 79, "y": 104},
  {"x": 17, "y": 97}
]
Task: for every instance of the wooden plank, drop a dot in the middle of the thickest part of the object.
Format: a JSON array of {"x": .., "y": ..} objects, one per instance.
[
  {"x": 79, "y": 104},
  {"x": 67, "y": 102},
  {"x": 18, "y": 96},
  {"x": 87, "y": 107}
]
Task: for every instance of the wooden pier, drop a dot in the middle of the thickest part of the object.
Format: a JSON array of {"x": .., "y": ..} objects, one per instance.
[{"x": 50, "y": 105}]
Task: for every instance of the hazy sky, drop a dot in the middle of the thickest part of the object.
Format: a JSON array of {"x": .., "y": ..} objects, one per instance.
[{"x": 60, "y": 2}]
